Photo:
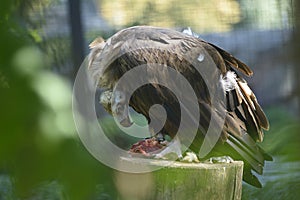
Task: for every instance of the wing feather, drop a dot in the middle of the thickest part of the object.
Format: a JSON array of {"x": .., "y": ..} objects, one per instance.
[{"x": 234, "y": 62}]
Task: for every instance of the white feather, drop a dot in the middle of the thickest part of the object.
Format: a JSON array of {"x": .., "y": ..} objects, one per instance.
[
  {"x": 189, "y": 31},
  {"x": 228, "y": 81}
]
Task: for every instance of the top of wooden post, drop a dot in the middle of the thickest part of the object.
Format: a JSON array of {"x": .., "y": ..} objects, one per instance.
[{"x": 181, "y": 180}]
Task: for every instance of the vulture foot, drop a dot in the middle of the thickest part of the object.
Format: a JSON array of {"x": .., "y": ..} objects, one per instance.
[
  {"x": 190, "y": 157},
  {"x": 173, "y": 148}
]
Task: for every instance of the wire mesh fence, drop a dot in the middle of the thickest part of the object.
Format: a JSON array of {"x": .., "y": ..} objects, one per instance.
[{"x": 258, "y": 32}]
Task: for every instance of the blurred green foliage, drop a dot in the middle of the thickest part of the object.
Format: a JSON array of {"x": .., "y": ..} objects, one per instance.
[
  {"x": 38, "y": 141},
  {"x": 281, "y": 178}
]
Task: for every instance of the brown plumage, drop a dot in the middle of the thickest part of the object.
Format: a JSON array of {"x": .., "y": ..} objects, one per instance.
[{"x": 245, "y": 120}]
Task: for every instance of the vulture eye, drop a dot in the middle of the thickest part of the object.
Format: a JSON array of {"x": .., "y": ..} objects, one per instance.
[
  {"x": 119, "y": 97},
  {"x": 119, "y": 109}
]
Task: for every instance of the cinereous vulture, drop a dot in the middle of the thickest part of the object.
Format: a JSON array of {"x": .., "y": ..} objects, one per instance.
[{"x": 244, "y": 120}]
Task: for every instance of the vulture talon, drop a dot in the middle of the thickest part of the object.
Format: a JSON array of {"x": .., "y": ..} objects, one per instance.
[
  {"x": 190, "y": 157},
  {"x": 221, "y": 159}
]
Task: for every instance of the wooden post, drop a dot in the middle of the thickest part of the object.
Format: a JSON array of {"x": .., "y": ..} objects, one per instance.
[{"x": 182, "y": 181}]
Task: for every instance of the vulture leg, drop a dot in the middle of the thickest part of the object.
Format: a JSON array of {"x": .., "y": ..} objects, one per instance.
[
  {"x": 173, "y": 147},
  {"x": 160, "y": 138}
]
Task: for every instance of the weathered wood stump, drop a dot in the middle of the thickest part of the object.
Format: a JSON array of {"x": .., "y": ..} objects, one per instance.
[{"x": 182, "y": 181}]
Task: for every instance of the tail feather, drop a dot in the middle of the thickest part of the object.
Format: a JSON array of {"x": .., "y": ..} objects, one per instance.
[
  {"x": 250, "y": 178},
  {"x": 250, "y": 155}
]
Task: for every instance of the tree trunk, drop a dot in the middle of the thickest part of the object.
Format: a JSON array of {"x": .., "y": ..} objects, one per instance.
[
  {"x": 76, "y": 34},
  {"x": 296, "y": 51}
]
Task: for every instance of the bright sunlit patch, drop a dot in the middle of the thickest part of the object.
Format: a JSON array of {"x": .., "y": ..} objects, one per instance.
[
  {"x": 57, "y": 122},
  {"x": 53, "y": 90},
  {"x": 203, "y": 16},
  {"x": 28, "y": 60}
]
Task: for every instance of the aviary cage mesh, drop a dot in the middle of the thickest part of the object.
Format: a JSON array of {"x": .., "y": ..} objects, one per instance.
[
  {"x": 260, "y": 33},
  {"x": 257, "y": 32}
]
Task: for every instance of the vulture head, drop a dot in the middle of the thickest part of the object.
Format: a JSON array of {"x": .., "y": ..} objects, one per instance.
[{"x": 115, "y": 104}]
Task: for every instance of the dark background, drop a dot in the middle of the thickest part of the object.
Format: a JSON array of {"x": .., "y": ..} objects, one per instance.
[{"x": 43, "y": 43}]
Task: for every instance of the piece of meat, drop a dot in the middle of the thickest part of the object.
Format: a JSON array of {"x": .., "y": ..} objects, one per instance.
[{"x": 147, "y": 147}]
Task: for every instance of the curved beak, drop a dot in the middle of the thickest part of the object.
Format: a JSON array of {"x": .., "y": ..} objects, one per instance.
[
  {"x": 126, "y": 122},
  {"x": 120, "y": 108}
]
